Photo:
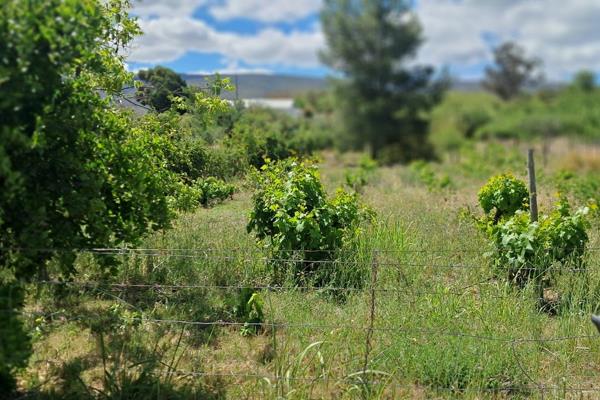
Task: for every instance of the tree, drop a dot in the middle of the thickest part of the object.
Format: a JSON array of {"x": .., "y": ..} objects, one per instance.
[
  {"x": 74, "y": 171},
  {"x": 159, "y": 84},
  {"x": 383, "y": 102},
  {"x": 512, "y": 72},
  {"x": 585, "y": 81}
]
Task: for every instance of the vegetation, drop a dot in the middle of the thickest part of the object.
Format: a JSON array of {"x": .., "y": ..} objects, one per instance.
[
  {"x": 525, "y": 249},
  {"x": 383, "y": 102},
  {"x": 585, "y": 81},
  {"x": 158, "y": 86},
  {"x": 512, "y": 72},
  {"x": 292, "y": 216},
  {"x": 204, "y": 249},
  {"x": 504, "y": 195},
  {"x": 74, "y": 172}
]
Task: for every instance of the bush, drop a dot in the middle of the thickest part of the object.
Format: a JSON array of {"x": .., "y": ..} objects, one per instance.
[
  {"x": 15, "y": 345},
  {"x": 503, "y": 194},
  {"x": 526, "y": 250},
  {"x": 250, "y": 310},
  {"x": 292, "y": 214},
  {"x": 470, "y": 121},
  {"x": 358, "y": 178},
  {"x": 213, "y": 190}
]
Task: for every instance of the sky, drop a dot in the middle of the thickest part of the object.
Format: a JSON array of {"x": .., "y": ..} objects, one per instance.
[{"x": 284, "y": 36}]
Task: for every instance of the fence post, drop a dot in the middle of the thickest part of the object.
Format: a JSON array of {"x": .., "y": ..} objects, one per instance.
[
  {"x": 533, "y": 206},
  {"x": 371, "y": 324}
]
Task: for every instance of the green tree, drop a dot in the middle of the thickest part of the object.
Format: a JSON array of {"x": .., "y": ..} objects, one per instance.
[
  {"x": 74, "y": 172},
  {"x": 384, "y": 103},
  {"x": 512, "y": 71},
  {"x": 159, "y": 84},
  {"x": 585, "y": 81}
]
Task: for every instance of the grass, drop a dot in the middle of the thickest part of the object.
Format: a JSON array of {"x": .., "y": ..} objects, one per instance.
[{"x": 443, "y": 326}]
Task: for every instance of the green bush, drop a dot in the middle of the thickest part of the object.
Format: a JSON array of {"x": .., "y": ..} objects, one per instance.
[
  {"x": 470, "y": 121},
  {"x": 213, "y": 190},
  {"x": 250, "y": 310},
  {"x": 523, "y": 249},
  {"x": 292, "y": 214},
  {"x": 504, "y": 195},
  {"x": 15, "y": 346},
  {"x": 357, "y": 179},
  {"x": 526, "y": 250}
]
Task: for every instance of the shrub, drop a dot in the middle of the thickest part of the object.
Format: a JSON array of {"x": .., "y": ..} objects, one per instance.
[
  {"x": 15, "y": 346},
  {"x": 503, "y": 194},
  {"x": 523, "y": 249},
  {"x": 213, "y": 190},
  {"x": 359, "y": 178},
  {"x": 470, "y": 121},
  {"x": 185, "y": 197},
  {"x": 526, "y": 250},
  {"x": 250, "y": 310},
  {"x": 291, "y": 213}
]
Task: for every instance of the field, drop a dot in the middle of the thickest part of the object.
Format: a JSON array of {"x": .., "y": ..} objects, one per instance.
[
  {"x": 431, "y": 318},
  {"x": 379, "y": 240}
]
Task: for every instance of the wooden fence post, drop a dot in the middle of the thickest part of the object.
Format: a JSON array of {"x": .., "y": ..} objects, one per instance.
[{"x": 533, "y": 206}]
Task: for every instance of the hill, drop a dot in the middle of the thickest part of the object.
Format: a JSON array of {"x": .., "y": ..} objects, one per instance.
[{"x": 251, "y": 86}]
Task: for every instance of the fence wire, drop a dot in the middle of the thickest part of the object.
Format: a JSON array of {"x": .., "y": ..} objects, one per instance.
[{"x": 375, "y": 263}]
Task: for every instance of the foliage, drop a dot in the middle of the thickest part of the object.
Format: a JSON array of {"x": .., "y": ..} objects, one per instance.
[
  {"x": 383, "y": 103},
  {"x": 315, "y": 102},
  {"x": 75, "y": 172},
  {"x": 526, "y": 250},
  {"x": 503, "y": 195},
  {"x": 523, "y": 249},
  {"x": 159, "y": 85},
  {"x": 262, "y": 133},
  {"x": 213, "y": 190},
  {"x": 585, "y": 81},
  {"x": 250, "y": 310},
  {"x": 76, "y": 175},
  {"x": 512, "y": 71},
  {"x": 585, "y": 188},
  {"x": 426, "y": 175},
  {"x": 292, "y": 215},
  {"x": 358, "y": 178},
  {"x": 470, "y": 121},
  {"x": 15, "y": 346}
]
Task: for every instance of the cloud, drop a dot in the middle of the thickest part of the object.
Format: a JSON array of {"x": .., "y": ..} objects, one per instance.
[
  {"x": 564, "y": 35},
  {"x": 266, "y": 10},
  {"x": 459, "y": 33},
  {"x": 234, "y": 68},
  {"x": 167, "y": 39},
  {"x": 166, "y": 8}
]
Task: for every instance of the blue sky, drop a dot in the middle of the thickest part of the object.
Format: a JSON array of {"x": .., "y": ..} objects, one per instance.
[{"x": 284, "y": 36}]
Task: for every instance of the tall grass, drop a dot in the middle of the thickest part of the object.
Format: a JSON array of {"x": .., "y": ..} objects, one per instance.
[{"x": 446, "y": 326}]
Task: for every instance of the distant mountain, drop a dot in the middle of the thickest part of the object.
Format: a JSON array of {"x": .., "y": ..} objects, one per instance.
[{"x": 253, "y": 86}]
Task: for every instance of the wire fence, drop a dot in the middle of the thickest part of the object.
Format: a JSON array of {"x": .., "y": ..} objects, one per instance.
[{"x": 370, "y": 326}]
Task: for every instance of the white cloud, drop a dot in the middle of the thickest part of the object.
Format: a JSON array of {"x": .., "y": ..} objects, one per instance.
[
  {"x": 233, "y": 69},
  {"x": 266, "y": 10},
  {"x": 166, "y": 8},
  {"x": 167, "y": 39},
  {"x": 563, "y": 34}
]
